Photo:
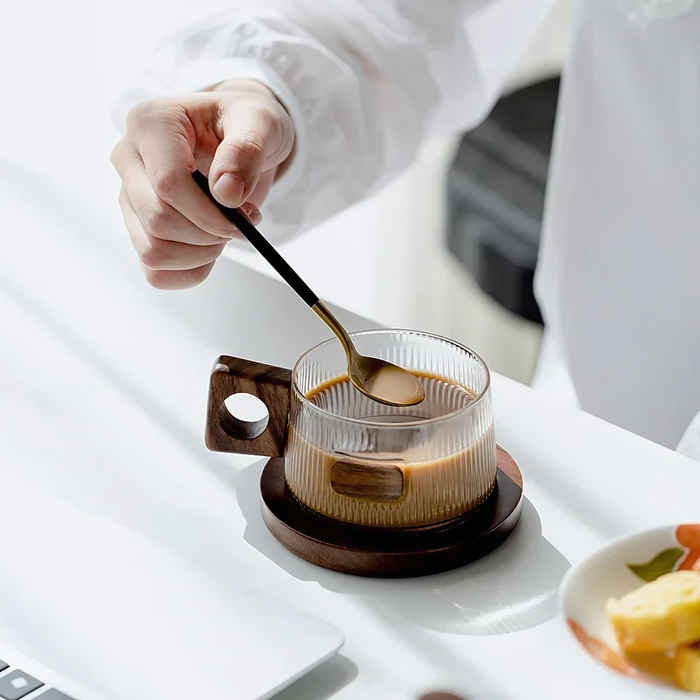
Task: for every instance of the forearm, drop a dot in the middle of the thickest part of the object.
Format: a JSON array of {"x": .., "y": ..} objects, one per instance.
[{"x": 365, "y": 81}]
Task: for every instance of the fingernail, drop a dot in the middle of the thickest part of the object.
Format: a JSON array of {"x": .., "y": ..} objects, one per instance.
[
  {"x": 252, "y": 213},
  {"x": 229, "y": 189}
]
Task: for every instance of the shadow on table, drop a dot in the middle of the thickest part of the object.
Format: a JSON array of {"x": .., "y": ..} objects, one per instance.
[
  {"x": 323, "y": 682},
  {"x": 511, "y": 589}
]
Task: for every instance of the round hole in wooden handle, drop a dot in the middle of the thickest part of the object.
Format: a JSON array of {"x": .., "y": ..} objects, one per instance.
[
  {"x": 244, "y": 416},
  {"x": 272, "y": 385}
]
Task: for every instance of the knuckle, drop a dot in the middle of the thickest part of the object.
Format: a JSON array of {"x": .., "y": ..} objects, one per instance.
[
  {"x": 122, "y": 157},
  {"x": 155, "y": 220},
  {"x": 250, "y": 147},
  {"x": 144, "y": 114},
  {"x": 115, "y": 155},
  {"x": 139, "y": 115},
  {"x": 166, "y": 183},
  {"x": 154, "y": 255},
  {"x": 273, "y": 116}
]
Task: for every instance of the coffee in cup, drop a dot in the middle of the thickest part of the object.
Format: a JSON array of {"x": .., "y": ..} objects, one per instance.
[{"x": 354, "y": 460}]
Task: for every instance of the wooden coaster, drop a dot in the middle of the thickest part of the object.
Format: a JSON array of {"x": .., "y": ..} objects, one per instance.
[{"x": 391, "y": 553}]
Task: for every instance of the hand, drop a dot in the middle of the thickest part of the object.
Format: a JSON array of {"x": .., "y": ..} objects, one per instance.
[{"x": 238, "y": 134}]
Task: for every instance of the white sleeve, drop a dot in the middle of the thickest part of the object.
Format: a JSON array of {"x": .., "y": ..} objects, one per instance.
[{"x": 365, "y": 81}]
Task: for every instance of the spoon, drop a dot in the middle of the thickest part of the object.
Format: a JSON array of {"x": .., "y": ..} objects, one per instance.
[{"x": 378, "y": 379}]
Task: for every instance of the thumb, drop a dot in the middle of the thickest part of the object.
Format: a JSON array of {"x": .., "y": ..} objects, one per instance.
[{"x": 254, "y": 140}]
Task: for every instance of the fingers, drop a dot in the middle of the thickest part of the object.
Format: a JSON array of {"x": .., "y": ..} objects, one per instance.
[
  {"x": 167, "y": 280},
  {"x": 174, "y": 253},
  {"x": 164, "y": 139},
  {"x": 159, "y": 254},
  {"x": 158, "y": 218},
  {"x": 242, "y": 137},
  {"x": 167, "y": 264},
  {"x": 262, "y": 189},
  {"x": 258, "y": 136}
]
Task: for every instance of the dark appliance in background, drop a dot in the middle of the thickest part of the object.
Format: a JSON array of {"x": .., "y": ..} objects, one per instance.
[{"x": 495, "y": 196}]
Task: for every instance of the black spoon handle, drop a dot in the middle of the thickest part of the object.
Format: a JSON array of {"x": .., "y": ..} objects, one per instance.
[{"x": 261, "y": 244}]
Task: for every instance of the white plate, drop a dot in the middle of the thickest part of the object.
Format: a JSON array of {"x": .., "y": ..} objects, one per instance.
[{"x": 622, "y": 566}]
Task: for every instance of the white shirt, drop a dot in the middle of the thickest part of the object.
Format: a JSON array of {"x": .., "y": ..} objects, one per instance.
[
  {"x": 618, "y": 274},
  {"x": 366, "y": 81}
]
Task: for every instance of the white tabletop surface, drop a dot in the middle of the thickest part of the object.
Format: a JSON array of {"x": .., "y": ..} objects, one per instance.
[{"x": 103, "y": 387}]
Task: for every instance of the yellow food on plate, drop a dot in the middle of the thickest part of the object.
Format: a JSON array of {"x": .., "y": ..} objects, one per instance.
[
  {"x": 660, "y": 615},
  {"x": 688, "y": 668}
]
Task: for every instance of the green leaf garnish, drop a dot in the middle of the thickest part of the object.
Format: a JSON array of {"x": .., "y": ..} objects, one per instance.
[{"x": 663, "y": 563}]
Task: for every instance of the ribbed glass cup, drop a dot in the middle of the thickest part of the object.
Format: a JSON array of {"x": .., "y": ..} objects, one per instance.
[{"x": 358, "y": 461}]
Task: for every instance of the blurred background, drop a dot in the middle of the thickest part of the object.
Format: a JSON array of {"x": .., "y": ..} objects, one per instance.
[{"x": 464, "y": 221}]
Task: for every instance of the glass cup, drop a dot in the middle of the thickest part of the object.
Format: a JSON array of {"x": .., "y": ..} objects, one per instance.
[{"x": 352, "y": 459}]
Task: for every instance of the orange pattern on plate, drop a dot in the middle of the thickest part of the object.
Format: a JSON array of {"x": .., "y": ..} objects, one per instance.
[
  {"x": 688, "y": 536},
  {"x": 603, "y": 653}
]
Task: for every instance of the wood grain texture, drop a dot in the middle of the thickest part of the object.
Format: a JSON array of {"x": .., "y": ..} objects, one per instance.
[
  {"x": 272, "y": 385},
  {"x": 507, "y": 464},
  {"x": 391, "y": 552},
  {"x": 377, "y": 482}
]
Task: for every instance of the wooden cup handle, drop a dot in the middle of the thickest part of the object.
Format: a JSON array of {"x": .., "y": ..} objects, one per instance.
[{"x": 272, "y": 385}]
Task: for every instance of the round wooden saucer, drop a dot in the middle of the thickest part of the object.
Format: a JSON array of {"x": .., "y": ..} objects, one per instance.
[{"x": 391, "y": 553}]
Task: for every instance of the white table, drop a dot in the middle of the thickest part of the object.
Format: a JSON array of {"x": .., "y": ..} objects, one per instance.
[{"x": 102, "y": 394}]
